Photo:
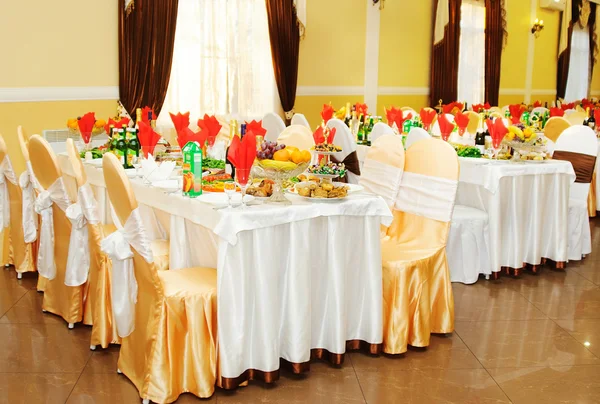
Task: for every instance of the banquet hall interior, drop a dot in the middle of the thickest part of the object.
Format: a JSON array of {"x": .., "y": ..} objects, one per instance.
[{"x": 300, "y": 201}]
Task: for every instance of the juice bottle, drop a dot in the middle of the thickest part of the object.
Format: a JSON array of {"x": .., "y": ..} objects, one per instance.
[{"x": 192, "y": 170}]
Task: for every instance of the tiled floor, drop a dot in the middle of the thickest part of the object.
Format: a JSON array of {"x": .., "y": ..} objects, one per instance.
[{"x": 530, "y": 340}]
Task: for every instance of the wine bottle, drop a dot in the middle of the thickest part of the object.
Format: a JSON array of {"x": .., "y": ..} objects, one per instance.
[
  {"x": 138, "y": 117},
  {"x": 122, "y": 147},
  {"x": 242, "y": 130},
  {"x": 348, "y": 117},
  {"x": 133, "y": 142},
  {"x": 361, "y": 130},
  {"x": 480, "y": 140},
  {"x": 587, "y": 117},
  {"x": 592, "y": 121}
]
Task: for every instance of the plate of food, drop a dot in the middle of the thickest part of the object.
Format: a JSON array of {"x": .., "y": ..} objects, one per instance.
[
  {"x": 323, "y": 192},
  {"x": 215, "y": 182},
  {"x": 326, "y": 148},
  {"x": 327, "y": 170},
  {"x": 261, "y": 188}
]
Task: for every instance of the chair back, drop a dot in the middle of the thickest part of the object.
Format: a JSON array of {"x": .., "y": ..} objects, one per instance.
[
  {"x": 300, "y": 119},
  {"x": 408, "y": 110},
  {"x": 43, "y": 161},
  {"x": 23, "y": 142},
  {"x": 298, "y": 136},
  {"x": 474, "y": 119},
  {"x": 274, "y": 126},
  {"x": 379, "y": 130},
  {"x": 76, "y": 163},
  {"x": 118, "y": 187},
  {"x": 498, "y": 110},
  {"x": 383, "y": 167},
  {"x": 555, "y": 127},
  {"x": 576, "y": 118},
  {"x": 344, "y": 139},
  {"x": 3, "y": 149},
  {"x": 579, "y": 145},
  {"x": 415, "y": 135}
]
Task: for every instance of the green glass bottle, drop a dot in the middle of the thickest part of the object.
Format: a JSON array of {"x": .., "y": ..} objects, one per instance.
[
  {"x": 133, "y": 143},
  {"x": 122, "y": 147},
  {"x": 361, "y": 131},
  {"x": 369, "y": 130}
]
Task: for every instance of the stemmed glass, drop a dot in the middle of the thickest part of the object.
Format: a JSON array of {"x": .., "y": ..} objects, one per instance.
[
  {"x": 242, "y": 176},
  {"x": 229, "y": 188}
]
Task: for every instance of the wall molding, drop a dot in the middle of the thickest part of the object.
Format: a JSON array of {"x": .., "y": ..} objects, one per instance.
[
  {"x": 400, "y": 91},
  {"x": 49, "y": 94},
  {"x": 522, "y": 91},
  {"x": 329, "y": 90}
]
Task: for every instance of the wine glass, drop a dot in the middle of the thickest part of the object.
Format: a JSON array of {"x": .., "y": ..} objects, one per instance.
[
  {"x": 229, "y": 189},
  {"x": 136, "y": 162},
  {"x": 496, "y": 142},
  {"x": 242, "y": 175}
]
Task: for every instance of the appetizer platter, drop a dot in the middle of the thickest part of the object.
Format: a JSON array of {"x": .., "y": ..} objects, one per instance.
[{"x": 320, "y": 191}]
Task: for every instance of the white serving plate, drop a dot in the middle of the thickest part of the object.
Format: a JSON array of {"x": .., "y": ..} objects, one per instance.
[{"x": 167, "y": 185}]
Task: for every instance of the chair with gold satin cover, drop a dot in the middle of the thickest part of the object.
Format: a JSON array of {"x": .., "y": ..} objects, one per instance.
[
  {"x": 578, "y": 144},
  {"x": 55, "y": 235},
  {"x": 417, "y": 294},
  {"x": 474, "y": 121},
  {"x": 576, "y": 118},
  {"x": 300, "y": 119},
  {"x": 348, "y": 155},
  {"x": 383, "y": 168},
  {"x": 93, "y": 265},
  {"x": 167, "y": 319},
  {"x": 298, "y": 136},
  {"x": 274, "y": 126},
  {"x": 555, "y": 126},
  {"x": 415, "y": 135}
]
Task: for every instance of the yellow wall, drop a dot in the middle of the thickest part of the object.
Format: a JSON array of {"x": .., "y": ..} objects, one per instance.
[{"x": 66, "y": 43}]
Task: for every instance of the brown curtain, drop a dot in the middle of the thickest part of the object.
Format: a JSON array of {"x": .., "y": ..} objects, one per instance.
[
  {"x": 495, "y": 31},
  {"x": 146, "y": 41},
  {"x": 285, "y": 47},
  {"x": 444, "y": 59}
]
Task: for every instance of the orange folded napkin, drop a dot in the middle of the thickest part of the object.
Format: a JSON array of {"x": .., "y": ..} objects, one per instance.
[
  {"x": 497, "y": 131},
  {"x": 565, "y": 106},
  {"x": 516, "y": 111},
  {"x": 478, "y": 107},
  {"x": 537, "y": 104},
  {"x": 117, "y": 124},
  {"x": 148, "y": 138},
  {"x": 327, "y": 112},
  {"x": 212, "y": 127},
  {"x": 255, "y": 127},
  {"x": 427, "y": 117},
  {"x": 180, "y": 120},
  {"x": 86, "y": 126},
  {"x": 391, "y": 115},
  {"x": 556, "y": 112},
  {"x": 446, "y": 127},
  {"x": 453, "y": 108},
  {"x": 241, "y": 155},
  {"x": 145, "y": 111},
  {"x": 361, "y": 109},
  {"x": 462, "y": 121},
  {"x": 319, "y": 136}
]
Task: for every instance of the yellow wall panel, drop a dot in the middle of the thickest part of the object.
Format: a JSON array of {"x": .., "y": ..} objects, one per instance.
[
  {"x": 415, "y": 101},
  {"x": 546, "y": 51},
  {"x": 311, "y": 106}
]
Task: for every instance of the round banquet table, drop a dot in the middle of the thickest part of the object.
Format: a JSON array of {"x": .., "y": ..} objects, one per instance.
[
  {"x": 527, "y": 205},
  {"x": 289, "y": 279}
]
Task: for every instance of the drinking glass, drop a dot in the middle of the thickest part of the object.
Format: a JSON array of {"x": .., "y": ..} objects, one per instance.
[
  {"x": 229, "y": 188},
  {"x": 242, "y": 176},
  {"x": 136, "y": 162}
]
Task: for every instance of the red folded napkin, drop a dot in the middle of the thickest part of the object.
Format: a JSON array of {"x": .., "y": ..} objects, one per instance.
[
  {"x": 327, "y": 112},
  {"x": 556, "y": 112},
  {"x": 478, "y": 107},
  {"x": 361, "y": 109},
  {"x": 516, "y": 111},
  {"x": 117, "y": 124},
  {"x": 319, "y": 136},
  {"x": 453, "y": 107},
  {"x": 427, "y": 117},
  {"x": 148, "y": 138},
  {"x": 446, "y": 127},
  {"x": 565, "y": 106},
  {"x": 537, "y": 104},
  {"x": 212, "y": 127},
  {"x": 597, "y": 116},
  {"x": 242, "y": 154},
  {"x": 86, "y": 125},
  {"x": 585, "y": 104},
  {"x": 401, "y": 118},
  {"x": 186, "y": 135},
  {"x": 497, "y": 131},
  {"x": 391, "y": 115},
  {"x": 180, "y": 120},
  {"x": 462, "y": 121},
  {"x": 255, "y": 127},
  {"x": 145, "y": 111}
]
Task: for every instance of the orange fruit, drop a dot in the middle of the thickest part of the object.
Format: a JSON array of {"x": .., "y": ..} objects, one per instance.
[
  {"x": 306, "y": 156},
  {"x": 282, "y": 155},
  {"x": 291, "y": 149},
  {"x": 100, "y": 123},
  {"x": 297, "y": 157}
]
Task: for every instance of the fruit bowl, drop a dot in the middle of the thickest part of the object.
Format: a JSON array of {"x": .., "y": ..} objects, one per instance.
[{"x": 278, "y": 172}]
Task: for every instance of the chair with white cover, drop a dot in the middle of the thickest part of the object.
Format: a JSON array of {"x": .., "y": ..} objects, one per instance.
[
  {"x": 568, "y": 112},
  {"x": 417, "y": 293},
  {"x": 274, "y": 126},
  {"x": 55, "y": 235},
  {"x": 539, "y": 110},
  {"x": 578, "y": 144},
  {"x": 415, "y": 135},
  {"x": 380, "y": 129},
  {"x": 383, "y": 168},
  {"x": 348, "y": 156},
  {"x": 298, "y": 136},
  {"x": 553, "y": 129},
  {"x": 167, "y": 319},
  {"x": 300, "y": 119},
  {"x": 576, "y": 118}
]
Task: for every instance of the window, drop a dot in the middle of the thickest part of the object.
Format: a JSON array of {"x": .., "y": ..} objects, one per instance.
[
  {"x": 222, "y": 61},
  {"x": 579, "y": 65},
  {"x": 471, "y": 60}
]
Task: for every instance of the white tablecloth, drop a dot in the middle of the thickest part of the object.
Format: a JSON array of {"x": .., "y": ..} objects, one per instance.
[
  {"x": 527, "y": 206},
  {"x": 289, "y": 278}
]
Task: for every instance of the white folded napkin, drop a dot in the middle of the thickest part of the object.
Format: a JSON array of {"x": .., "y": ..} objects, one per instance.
[{"x": 152, "y": 171}]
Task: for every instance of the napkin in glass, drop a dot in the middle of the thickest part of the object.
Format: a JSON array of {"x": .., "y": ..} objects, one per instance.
[
  {"x": 446, "y": 127},
  {"x": 497, "y": 130},
  {"x": 516, "y": 111},
  {"x": 554, "y": 111},
  {"x": 212, "y": 127},
  {"x": 86, "y": 126},
  {"x": 479, "y": 107},
  {"x": 427, "y": 117},
  {"x": 148, "y": 138},
  {"x": 117, "y": 124},
  {"x": 242, "y": 153},
  {"x": 152, "y": 171},
  {"x": 462, "y": 122},
  {"x": 327, "y": 112}
]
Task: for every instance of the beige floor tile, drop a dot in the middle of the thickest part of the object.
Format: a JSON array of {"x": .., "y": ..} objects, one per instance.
[
  {"x": 561, "y": 384},
  {"x": 103, "y": 360},
  {"x": 523, "y": 344},
  {"x": 103, "y": 389},
  {"x": 28, "y": 310},
  {"x": 586, "y": 331},
  {"x": 550, "y": 278},
  {"x": 36, "y": 387},
  {"x": 9, "y": 297},
  {"x": 430, "y": 386},
  {"x": 565, "y": 302}
]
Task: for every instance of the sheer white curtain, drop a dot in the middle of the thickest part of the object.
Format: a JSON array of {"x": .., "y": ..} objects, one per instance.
[
  {"x": 579, "y": 65},
  {"x": 471, "y": 60},
  {"x": 222, "y": 61}
]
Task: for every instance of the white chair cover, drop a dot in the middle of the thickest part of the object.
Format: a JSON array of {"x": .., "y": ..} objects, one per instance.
[
  {"x": 424, "y": 195},
  {"x": 298, "y": 136},
  {"x": 539, "y": 110},
  {"x": 344, "y": 139},
  {"x": 379, "y": 130},
  {"x": 57, "y": 193},
  {"x": 415, "y": 135},
  {"x": 123, "y": 283},
  {"x": 84, "y": 211},
  {"x": 29, "y": 185},
  {"x": 274, "y": 126},
  {"x": 381, "y": 178},
  {"x": 300, "y": 119},
  {"x": 6, "y": 173}
]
